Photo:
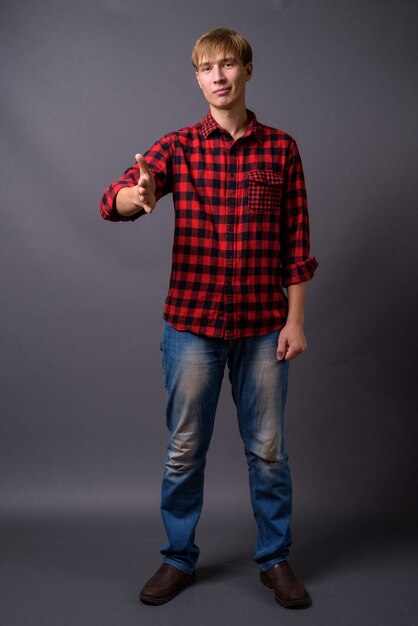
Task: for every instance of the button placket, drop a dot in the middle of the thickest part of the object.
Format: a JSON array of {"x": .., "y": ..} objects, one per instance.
[{"x": 230, "y": 244}]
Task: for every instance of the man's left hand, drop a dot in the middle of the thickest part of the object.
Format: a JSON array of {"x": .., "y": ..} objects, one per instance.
[{"x": 292, "y": 342}]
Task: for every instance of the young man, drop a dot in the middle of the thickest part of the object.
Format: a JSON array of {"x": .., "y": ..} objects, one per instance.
[{"x": 241, "y": 236}]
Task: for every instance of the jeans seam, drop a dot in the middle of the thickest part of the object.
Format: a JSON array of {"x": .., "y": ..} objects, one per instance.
[{"x": 259, "y": 520}]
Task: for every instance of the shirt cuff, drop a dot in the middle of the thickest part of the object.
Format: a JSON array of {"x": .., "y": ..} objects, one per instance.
[
  {"x": 299, "y": 272},
  {"x": 108, "y": 205}
]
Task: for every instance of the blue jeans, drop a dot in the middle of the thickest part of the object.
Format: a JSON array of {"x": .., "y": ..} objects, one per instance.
[{"x": 194, "y": 367}]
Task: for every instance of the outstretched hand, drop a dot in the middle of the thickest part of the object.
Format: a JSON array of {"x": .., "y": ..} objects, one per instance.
[{"x": 145, "y": 187}]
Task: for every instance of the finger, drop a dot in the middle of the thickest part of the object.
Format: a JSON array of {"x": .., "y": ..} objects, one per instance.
[
  {"x": 143, "y": 189},
  {"x": 281, "y": 347},
  {"x": 143, "y": 199},
  {"x": 142, "y": 162},
  {"x": 146, "y": 202},
  {"x": 291, "y": 353}
]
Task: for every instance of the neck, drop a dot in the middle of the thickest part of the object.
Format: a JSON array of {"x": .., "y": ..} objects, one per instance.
[{"x": 235, "y": 121}]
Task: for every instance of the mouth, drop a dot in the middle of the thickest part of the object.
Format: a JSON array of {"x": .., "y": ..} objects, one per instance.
[{"x": 222, "y": 91}]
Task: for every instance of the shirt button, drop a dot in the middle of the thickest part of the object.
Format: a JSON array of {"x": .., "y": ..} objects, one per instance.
[{"x": 230, "y": 229}]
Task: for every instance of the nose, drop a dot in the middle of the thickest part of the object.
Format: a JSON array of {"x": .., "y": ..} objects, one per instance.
[{"x": 218, "y": 76}]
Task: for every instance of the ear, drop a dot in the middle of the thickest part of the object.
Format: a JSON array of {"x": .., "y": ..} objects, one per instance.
[
  {"x": 197, "y": 77},
  {"x": 249, "y": 70}
]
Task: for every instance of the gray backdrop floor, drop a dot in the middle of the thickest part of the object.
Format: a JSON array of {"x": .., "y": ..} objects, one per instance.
[{"x": 86, "y": 571}]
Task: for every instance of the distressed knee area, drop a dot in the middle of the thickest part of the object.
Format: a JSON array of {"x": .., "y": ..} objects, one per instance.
[
  {"x": 182, "y": 453},
  {"x": 268, "y": 452},
  {"x": 267, "y": 463},
  {"x": 267, "y": 446},
  {"x": 266, "y": 442}
]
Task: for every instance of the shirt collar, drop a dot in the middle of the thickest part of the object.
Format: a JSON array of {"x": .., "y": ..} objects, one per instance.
[{"x": 209, "y": 125}]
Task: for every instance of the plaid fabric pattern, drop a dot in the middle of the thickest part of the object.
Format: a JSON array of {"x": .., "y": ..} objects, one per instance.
[{"x": 241, "y": 226}]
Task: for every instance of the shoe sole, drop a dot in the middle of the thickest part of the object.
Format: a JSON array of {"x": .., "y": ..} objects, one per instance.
[{"x": 287, "y": 604}]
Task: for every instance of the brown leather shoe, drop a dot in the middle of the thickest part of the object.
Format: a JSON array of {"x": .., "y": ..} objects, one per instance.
[
  {"x": 166, "y": 583},
  {"x": 288, "y": 589}
]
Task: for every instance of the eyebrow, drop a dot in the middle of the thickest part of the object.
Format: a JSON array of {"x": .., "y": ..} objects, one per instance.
[{"x": 219, "y": 61}]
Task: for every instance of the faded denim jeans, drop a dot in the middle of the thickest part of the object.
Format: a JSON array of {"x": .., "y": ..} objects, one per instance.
[{"x": 194, "y": 367}]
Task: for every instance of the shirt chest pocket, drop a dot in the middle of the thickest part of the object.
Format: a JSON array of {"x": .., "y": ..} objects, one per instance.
[{"x": 265, "y": 190}]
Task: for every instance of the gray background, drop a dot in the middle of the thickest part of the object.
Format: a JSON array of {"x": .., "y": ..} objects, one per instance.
[{"x": 86, "y": 84}]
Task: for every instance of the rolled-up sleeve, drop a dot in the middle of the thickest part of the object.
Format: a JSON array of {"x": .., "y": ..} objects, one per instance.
[
  {"x": 297, "y": 264},
  {"x": 159, "y": 161}
]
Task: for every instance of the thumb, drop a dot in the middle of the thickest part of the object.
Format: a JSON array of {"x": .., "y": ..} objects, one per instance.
[
  {"x": 281, "y": 347},
  {"x": 142, "y": 162}
]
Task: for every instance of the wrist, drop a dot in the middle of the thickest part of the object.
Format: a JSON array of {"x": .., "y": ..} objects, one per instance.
[{"x": 295, "y": 320}]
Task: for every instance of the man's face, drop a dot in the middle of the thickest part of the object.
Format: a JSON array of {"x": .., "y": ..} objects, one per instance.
[{"x": 223, "y": 81}]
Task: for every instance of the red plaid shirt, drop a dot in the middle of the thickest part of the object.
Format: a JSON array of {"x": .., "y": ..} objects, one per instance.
[{"x": 241, "y": 226}]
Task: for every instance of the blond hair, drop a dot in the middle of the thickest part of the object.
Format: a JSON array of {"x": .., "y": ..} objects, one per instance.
[{"x": 221, "y": 41}]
